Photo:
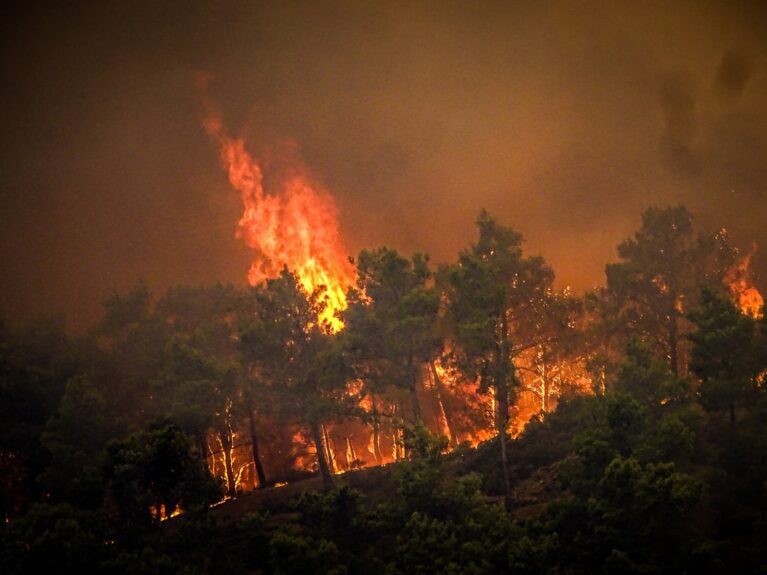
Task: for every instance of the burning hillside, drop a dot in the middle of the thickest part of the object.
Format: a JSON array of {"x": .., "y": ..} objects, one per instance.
[{"x": 292, "y": 226}]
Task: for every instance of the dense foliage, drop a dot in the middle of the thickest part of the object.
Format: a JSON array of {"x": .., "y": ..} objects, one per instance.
[{"x": 658, "y": 465}]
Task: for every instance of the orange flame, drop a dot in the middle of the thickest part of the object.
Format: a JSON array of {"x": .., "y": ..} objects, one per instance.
[
  {"x": 294, "y": 227},
  {"x": 738, "y": 281}
]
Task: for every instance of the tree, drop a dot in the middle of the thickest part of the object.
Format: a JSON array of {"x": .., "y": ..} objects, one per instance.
[
  {"x": 556, "y": 361},
  {"x": 155, "y": 469},
  {"x": 391, "y": 326},
  {"x": 493, "y": 295},
  {"x": 204, "y": 384},
  {"x": 725, "y": 354},
  {"x": 75, "y": 436},
  {"x": 303, "y": 364},
  {"x": 132, "y": 339},
  {"x": 200, "y": 392},
  {"x": 657, "y": 280},
  {"x": 35, "y": 365}
]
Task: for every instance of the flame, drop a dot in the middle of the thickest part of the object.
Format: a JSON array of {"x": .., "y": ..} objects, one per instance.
[
  {"x": 296, "y": 227},
  {"x": 738, "y": 280},
  {"x": 164, "y": 516},
  {"x": 477, "y": 409}
]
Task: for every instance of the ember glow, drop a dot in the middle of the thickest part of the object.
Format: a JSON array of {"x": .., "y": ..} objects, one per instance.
[
  {"x": 294, "y": 226},
  {"x": 742, "y": 289}
]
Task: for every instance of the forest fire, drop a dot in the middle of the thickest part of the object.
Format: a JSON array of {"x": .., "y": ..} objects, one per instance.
[
  {"x": 296, "y": 288},
  {"x": 293, "y": 226},
  {"x": 742, "y": 289}
]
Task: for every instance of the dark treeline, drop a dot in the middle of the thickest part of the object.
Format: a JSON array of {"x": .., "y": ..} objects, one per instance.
[{"x": 534, "y": 431}]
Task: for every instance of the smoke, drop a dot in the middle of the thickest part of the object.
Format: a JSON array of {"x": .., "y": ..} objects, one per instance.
[
  {"x": 564, "y": 121},
  {"x": 677, "y": 101},
  {"x": 732, "y": 76}
]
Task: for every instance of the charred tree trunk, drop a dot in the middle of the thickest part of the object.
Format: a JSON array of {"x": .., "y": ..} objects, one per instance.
[
  {"x": 544, "y": 381},
  {"x": 351, "y": 453},
  {"x": 673, "y": 351},
  {"x": 226, "y": 446},
  {"x": 329, "y": 451},
  {"x": 502, "y": 379},
  {"x": 376, "y": 431},
  {"x": 673, "y": 337},
  {"x": 319, "y": 443},
  {"x": 413, "y": 385},
  {"x": 398, "y": 432},
  {"x": 202, "y": 446},
  {"x": 440, "y": 387},
  {"x": 502, "y": 419},
  {"x": 256, "y": 453}
]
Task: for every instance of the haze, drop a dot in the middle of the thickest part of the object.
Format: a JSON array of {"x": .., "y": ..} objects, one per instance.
[{"x": 564, "y": 119}]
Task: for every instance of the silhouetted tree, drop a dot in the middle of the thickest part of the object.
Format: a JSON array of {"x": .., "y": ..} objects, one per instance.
[
  {"x": 391, "y": 327},
  {"x": 155, "y": 469},
  {"x": 493, "y": 295},
  {"x": 303, "y": 363},
  {"x": 725, "y": 354},
  {"x": 75, "y": 436},
  {"x": 657, "y": 280}
]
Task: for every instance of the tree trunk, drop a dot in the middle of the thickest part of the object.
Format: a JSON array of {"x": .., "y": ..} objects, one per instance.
[
  {"x": 413, "y": 384},
  {"x": 319, "y": 443},
  {"x": 202, "y": 446},
  {"x": 226, "y": 447},
  {"x": 330, "y": 452},
  {"x": 376, "y": 432},
  {"x": 440, "y": 388},
  {"x": 351, "y": 453},
  {"x": 256, "y": 454},
  {"x": 544, "y": 381},
  {"x": 502, "y": 379},
  {"x": 502, "y": 419},
  {"x": 673, "y": 340}
]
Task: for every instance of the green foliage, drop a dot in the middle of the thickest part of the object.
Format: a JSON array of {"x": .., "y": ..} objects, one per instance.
[
  {"x": 287, "y": 347},
  {"x": 725, "y": 354},
  {"x": 293, "y": 554},
  {"x": 420, "y": 443},
  {"x": 153, "y": 468},
  {"x": 646, "y": 476},
  {"x": 35, "y": 365},
  {"x": 54, "y": 539},
  {"x": 76, "y": 436},
  {"x": 336, "y": 507},
  {"x": 658, "y": 277},
  {"x": 648, "y": 380},
  {"x": 391, "y": 322},
  {"x": 252, "y": 536}
]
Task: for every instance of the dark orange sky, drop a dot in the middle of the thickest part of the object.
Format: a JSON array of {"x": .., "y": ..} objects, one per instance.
[{"x": 564, "y": 119}]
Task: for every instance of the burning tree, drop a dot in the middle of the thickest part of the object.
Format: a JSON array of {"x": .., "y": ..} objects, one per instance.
[
  {"x": 493, "y": 295},
  {"x": 728, "y": 354},
  {"x": 293, "y": 225},
  {"x": 391, "y": 327},
  {"x": 156, "y": 470},
  {"x": 301, "y": 362},
  {"x": 657, "y": 281}
]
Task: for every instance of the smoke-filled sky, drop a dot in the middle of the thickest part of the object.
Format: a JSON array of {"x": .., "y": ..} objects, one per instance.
[{"x": 564, "y": 119}]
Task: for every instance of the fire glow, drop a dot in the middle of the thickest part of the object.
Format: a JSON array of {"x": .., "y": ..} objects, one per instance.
[
  {"x": 293, "y": 223},
  {"x": 743, "y": 292},
  {"x": 293, "y": 226}
]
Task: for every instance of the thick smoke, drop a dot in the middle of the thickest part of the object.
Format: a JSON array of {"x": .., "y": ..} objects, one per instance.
[
  {"x": 677, "y": 101},
  {"x": 732, "y": 76},
  {"x": 565, "y": 122}
]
